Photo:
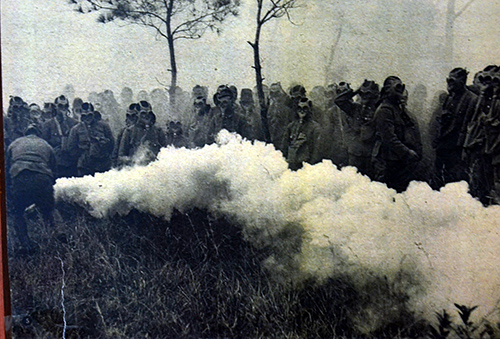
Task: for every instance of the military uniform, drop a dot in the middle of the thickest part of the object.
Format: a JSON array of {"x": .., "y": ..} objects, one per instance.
[
  {"x": 397, "y": 136},
  {"x": 92, "y": 145},
  {"x": 31, "y": 164},
  {"x": 229, "y": 119},
  {"x": 449, "y": 136},
  {"x": 175, "y": 135},
  {"x": 199, "y": 127},
  {"x": 279, "y": 116},
  {"x": 479, "y": 163},
  {"x": 56, "y": 131},
  {"x": 141, "y": 142},
  {"x": 358, "y": 131}
]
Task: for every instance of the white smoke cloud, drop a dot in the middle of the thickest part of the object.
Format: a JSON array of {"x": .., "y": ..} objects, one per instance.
[{"x": 351, "y": 225}]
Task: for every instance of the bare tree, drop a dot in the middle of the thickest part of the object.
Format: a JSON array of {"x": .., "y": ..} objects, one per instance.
[
  {"x": 451, "y": 16},
  {"x": 266, "y": 11},
  {"x": 170, "y": 19},
  {"x": 331, "y": 59}
]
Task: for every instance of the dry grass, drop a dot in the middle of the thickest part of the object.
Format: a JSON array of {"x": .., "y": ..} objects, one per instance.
[{"x": 194, "y": 277}]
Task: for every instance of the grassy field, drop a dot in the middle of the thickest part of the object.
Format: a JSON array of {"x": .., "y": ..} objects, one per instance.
[{"x": 193, "y": 277}]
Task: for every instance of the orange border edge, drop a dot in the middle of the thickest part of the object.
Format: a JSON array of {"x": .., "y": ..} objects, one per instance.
[{"x": 5, "y": 301}]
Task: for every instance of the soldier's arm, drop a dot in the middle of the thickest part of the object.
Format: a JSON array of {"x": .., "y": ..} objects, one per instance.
[
  {"x": 163, "y": 138},
  {"x": 52, "y": 162},
  {"x": 314, "y": 147},
  {"x": 285, "y": 142},
  {"x": 108, "y": 134},
  {"x": 45, "y": 131},
  {"x": 124, "y": 147},
  {"x": 72, "y": 146},
  {"x": 471, "y": 109},
  {"x": 344, "y": 101}
]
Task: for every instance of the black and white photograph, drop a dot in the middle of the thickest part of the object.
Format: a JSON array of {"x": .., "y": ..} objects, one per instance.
[{"x": 253, "y": 169}]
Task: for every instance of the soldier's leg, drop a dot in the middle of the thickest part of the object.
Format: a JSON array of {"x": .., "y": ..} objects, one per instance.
[
  {"x": 454, "y": 167},
  {"x": 44, "y": 199},
  {"x": 21, "y": 199}
]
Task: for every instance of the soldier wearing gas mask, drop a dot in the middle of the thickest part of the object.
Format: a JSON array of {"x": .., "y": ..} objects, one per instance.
[
  {"x": 141, "y": 142},
  {"x": 131, "y": 118},
  {"x": 451, "y": 122},
  {"x": 56, "y": 131},
  {"x": 199, "y": 127},
  {"x": 479, "y": 145},
  {"x": 91, "y": 143},
  {"x": 301, "y": 138},
  {"x": 279, "y": 114},
  {"x": 248, "y": 111},
  {"x": 225, "y": 115},
  {"x": 397, "y": 150},
  {"x": 357, "y": 123}
]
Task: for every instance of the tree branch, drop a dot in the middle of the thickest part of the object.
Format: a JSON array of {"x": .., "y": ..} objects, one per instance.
[
  {"x": 131, "y": 11},
  {"x": 460, "y": 12},
  {"x": 199, "y": 19}
]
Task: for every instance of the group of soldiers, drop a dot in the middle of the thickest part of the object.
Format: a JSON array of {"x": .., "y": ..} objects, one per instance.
[
  {"x": 369, "y": 128},
  {"x": 466, "y": 133}
]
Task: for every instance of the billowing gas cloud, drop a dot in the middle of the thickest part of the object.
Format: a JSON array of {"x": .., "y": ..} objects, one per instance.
[{"x": 348, "y": 224}]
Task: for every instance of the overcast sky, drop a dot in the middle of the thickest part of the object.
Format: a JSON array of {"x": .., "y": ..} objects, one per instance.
[{"x": 46, "y": 45}]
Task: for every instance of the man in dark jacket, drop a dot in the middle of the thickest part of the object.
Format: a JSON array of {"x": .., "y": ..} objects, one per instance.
[
  {"x": 357, "y": 122},
  {"x": 450, "y": 123},
  {"x": 31, "y": 164},
  {"x": 91, "y": 142},
  {"x": 492, "y": 147},
  {"x": 130, "y": 119},
  {"x": 141, "y": 142},
  {"x": 200, "y": 124},
  {"x": 175, "y": 135},
  {"x": 300, "y": 141},
  {"x": 478, "y": 160},
  {"x": 225, "y": 115},
  {"x": 56, "y": 131},
  {"x": 279, "y": 114},
  {"x": 17, "y": 120},
  {"x": 252, "y": 117},
  {"x": 398, "y": 146}
]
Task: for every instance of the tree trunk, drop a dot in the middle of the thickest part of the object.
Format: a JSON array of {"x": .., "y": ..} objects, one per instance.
[
  {"x": 173, "y": 71},
  {"x": 449, "y": 37},
  {"x": 329, "y": 66},
  {"x": 264, "y": 106},
  {"x": 173, "y": 62}
]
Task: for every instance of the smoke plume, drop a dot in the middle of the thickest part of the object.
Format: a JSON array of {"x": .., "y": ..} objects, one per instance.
[{"x": 445, "y": 240}]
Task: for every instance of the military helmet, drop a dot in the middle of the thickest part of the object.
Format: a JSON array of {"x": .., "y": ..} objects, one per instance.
[
  {"x": 392, "y": 86},
  {"x": 50, "y": 107},
  {"x": 61, "y": 100},
  {"x": 460, "y": 73},
  {"x": 369, "y": 86},
  {"x": 246, "y": 95},
  {"x": 342, "y": 87},
  {"x": 145, "y": 106},
  {"x": 87, "y": 107},
  {"x": 16, "y": 102},
  {"x": 225, "y": 92},
  {"x": 199, "y": 91},
  {"x": 133, "y": 109},
  {"x": 298, "y": 91}
]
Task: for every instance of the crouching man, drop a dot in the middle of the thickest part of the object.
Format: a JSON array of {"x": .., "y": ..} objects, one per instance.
[{"x": 31, "y": 165}]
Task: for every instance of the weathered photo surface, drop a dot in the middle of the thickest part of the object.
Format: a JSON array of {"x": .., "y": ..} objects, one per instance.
[{"x": 252, "y": 168}]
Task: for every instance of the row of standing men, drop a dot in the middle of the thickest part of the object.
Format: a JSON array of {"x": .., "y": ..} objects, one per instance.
[{"x": 374, "y": 133}]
